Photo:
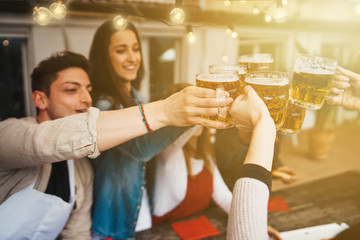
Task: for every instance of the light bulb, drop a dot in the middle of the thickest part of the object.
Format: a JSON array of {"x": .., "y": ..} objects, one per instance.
[
  {"x": 120, "y": 22},
  {"x": 42, "y": 16},
  {"x": 6, "y": 43},
  {"x": 227, "y": 3},
  {"x": 58, "y": 9},
  {"x": 225, "y": 58},
  {"x": 256, "y": 11},
  {"x": 177, "y": 16},
  {"x": 234, "y": 34},
  {"x": 284, "y": 2},
  {"x": 228, "y": 31},
  {"x": 268, "y": 18},
  {"x": 191, "y": 37},
  {"x": 280, "y": 15}
]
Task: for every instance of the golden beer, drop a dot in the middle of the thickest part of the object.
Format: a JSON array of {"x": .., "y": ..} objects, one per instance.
[
  {"x": 225, "y": 68},
  {"x": 257, "y": 62},
  {"x": 312, "y": 80},
  {"x": 294, "y": 119},
  {"x": 226, "y": 81},
  {"x": 310, "y": 89},
  {"x": 273, "y": 89}
]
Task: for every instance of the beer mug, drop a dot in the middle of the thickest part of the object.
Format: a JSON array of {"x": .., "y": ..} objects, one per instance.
[
  {"x": 220, "y": 82},
  {"x": 273, "y": 89},
  {"x": 312, "y": 81},
  {"x": 293, "y": 120},
  {"x": 257, "y": 62},
  {"x": 225, "y": 68}
]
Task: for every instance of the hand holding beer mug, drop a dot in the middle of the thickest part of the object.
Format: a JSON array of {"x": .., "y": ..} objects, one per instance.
[
  {"x": 273, "y": 89},
  {"x": 248, "y": 109},
  {"x": 257, "y": 62},
  {"x": 228, "y": 68},
  {"x": 220, "y": 82},
  {"x": 312, "y": 81},
  {"x": 293, "y": 120}
]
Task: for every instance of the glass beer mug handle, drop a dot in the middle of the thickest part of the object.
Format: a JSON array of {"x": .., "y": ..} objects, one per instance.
[{"x": 221, "y": 102}]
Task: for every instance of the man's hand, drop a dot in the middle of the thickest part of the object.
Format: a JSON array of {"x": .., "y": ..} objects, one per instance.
[
  {"x": 346, "y": 90},
  {"x": 186, "y": 107}
]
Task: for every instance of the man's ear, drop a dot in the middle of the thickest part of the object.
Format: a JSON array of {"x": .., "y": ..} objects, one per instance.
[{"x": 40, "y": 99}]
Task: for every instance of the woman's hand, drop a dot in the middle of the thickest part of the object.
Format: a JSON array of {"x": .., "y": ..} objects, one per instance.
[
  {"x": 186, "y": 107},
  {"x": 248, "y": 109}
]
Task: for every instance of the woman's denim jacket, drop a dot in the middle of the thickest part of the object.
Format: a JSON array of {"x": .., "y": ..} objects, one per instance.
[{"x": 120, "y": 179}]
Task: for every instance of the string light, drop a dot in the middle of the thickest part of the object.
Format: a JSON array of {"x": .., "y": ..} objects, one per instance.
[
  {"x": 58, "y": 9},
  {"x": 190, "y": 34},
  {"x": 280, "y": 15},
  {"x": 225, "y": 58},
  {"x": 6, "y": 43},
  {"x": 191, "y": 37},
  {"x": 255, "y": 10},
  {"x": 229, "y": 30},
  {"x": 42, "y": 15},
  {"x": 267, "y": 18},
  {"x": 227, "y": 3},
  {"x": 234, "y": 34},
  {"x": 177, "y": 14},
  {"x": 120, "y": 22}
]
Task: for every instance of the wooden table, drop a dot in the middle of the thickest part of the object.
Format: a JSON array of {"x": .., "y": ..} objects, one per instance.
[{"x": 328, "y": 200}]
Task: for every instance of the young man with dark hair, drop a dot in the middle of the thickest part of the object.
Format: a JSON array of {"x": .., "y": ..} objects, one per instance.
[
  {"x": 61, "y": 87},
  {"x": 45, "y": 177}
]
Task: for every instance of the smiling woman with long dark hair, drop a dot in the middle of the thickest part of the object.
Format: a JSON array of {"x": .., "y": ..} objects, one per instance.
[{"x": 121, "y": 206}]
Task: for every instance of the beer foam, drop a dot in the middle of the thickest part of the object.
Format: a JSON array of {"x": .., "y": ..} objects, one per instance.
[
  {"x": 256, "y": 58},
  {"x": 218, "y": 77},
  {"x": 227, "y": 68},
  {"x": 260, "y": 60},
  {"x": 319, "y": 71},
  {"x": 268, "y": 81}
]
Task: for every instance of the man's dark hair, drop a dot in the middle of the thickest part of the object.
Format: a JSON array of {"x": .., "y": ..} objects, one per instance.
[{"x": 46, "y": 72}]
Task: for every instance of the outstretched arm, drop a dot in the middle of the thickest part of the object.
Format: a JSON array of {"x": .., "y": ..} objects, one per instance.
[
  {"x": 25, "y": 143},
  {"x": 184, "y": 108},
  {"x": 248, "y": 212},
  {"x": 165, "y": 140}
]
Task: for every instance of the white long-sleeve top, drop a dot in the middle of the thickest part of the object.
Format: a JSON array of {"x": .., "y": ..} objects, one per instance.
[
  {"x": 248, "y": 214},
  {"x": 171, "y": 178}
]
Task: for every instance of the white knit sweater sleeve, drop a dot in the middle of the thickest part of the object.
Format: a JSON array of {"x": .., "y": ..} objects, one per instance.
[{"x": 248, "y": 212}]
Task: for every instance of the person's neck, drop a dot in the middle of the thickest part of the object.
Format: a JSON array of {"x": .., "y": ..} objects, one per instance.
[
  {"x": 42, "y": 117},
  {"x": 127, "y": 86}
]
